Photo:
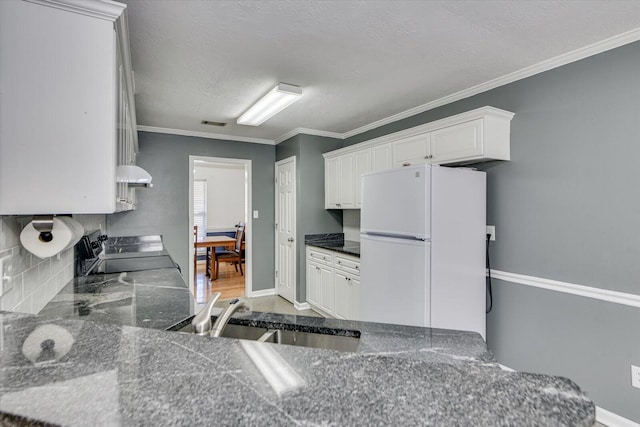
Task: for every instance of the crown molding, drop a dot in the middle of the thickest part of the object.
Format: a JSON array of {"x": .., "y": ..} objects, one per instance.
[
  {"x": 558, "y": 61},
  {"x": 102, "y": 9},
  {"x": 306, "y": 131},
  {"x": 208, "y": 135}
]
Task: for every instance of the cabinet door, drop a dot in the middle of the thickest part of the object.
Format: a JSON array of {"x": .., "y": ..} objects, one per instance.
[
  {"x": 342, "y": 306},
  {"x": 313, "y": 284},
  {"x": 331, "y": 188},
  {"x": 327, "y": 291},
  {"x": 381, "y": 157},
  {"x": 346, "y": 172},
  {"x": 411, "y": 151},
  {"x": 457, "y": 143},
  {"x": 362, "y": 162},
  {"x": 355, "y": 298},
  {"x": 57, "y": 111}
]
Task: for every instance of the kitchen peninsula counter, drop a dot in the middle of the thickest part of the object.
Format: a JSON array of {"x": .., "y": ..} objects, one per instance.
[
  {"x": 107, "y": 374},
  {"x": 150, "y": 299}
]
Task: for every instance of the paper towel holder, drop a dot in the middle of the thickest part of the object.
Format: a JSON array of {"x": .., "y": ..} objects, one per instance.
[{"x": 43, "y": 224}]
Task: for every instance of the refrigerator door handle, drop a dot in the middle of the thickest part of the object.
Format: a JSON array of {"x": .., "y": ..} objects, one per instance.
[{"x": 393, "y": 236}]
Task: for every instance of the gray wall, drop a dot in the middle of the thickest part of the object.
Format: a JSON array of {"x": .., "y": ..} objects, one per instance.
[
  {"x": 566, "y": 207},
  {"x": 311, "y": 216},
  {"x": 164, "y": 209}
]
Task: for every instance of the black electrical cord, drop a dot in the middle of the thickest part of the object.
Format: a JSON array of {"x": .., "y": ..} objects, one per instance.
[{"x": 488, "y": 280}]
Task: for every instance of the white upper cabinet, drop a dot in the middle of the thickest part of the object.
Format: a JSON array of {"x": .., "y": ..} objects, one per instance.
[
  {"x": 463, "y": 141},
  {"x": 362, "y": 164},
  {"x": 475, "y": 136},
  {"x": 381, "y": 157},
  {"x": 342, "y": 179},
  {"x": 411, "y": 151},
  {"x": 331, "y": 182},
  {"x": 346, "y": 182},
  {"x": 67, "y": 117}
]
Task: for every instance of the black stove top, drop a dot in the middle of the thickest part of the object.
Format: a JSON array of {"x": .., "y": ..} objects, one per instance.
[{"x": 99, "y": 254}]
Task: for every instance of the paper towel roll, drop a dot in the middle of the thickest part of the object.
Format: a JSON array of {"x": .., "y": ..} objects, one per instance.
[
  {"x": 66, "y": 232},
  {"x": 47, "y": 343}
]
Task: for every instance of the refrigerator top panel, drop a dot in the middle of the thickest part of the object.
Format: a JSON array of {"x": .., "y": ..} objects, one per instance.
[{"x": 396, "y": 202}]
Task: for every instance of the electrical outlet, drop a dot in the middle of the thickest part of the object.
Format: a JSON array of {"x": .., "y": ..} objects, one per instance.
[
  {"x": 491, "y": 229},
  {"x": 635, "y": 376}
]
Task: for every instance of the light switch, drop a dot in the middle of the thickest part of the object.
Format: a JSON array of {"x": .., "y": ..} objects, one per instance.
[{"x": 255, "y": 214}]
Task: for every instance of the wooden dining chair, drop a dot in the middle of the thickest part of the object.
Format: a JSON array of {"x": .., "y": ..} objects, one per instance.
[{"x": 233, "y": 256}]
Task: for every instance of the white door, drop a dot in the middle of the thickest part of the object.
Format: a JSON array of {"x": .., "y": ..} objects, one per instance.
[{"x": 286, "y": 228}]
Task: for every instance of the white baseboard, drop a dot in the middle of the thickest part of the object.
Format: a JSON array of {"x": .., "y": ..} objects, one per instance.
[
  {"x": 613, "y": 420},
  {"x": 262, "y": 293},
  {"x": 301, "y": 305},
  {"x": 616, "y": 297}
]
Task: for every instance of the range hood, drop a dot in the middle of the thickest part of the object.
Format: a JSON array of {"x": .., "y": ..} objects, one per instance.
[{"x": 133, "y": 175}]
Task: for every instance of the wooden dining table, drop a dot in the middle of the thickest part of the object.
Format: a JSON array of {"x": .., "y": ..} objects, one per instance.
[{"x": 212, "y": 242}]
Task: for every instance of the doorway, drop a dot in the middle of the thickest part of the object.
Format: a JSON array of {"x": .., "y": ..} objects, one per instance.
[{"x": 219, "y": 200}]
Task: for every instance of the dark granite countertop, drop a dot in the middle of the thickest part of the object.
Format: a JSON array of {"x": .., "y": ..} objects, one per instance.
[
  {"x": 333, "y": 242},
  {"x": 107, "y": 374},
  {"x": 149, "y": 299}
]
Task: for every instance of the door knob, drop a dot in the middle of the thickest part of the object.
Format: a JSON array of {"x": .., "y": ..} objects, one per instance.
[{"x": 290, "y": 239}]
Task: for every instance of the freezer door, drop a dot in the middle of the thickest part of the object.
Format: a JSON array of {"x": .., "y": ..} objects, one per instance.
[
  {"x": 397, "y": 202},
  {"x": 394, "y": 281}
]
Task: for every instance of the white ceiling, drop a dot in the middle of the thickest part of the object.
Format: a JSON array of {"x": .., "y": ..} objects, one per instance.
[{"x": 358, "y": 62}]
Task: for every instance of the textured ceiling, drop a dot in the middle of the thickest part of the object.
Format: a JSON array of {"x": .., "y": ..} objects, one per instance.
[{"x": 358, "y": 62}]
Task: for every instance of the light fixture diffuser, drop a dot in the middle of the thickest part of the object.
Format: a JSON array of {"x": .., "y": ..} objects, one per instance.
[{"x": 278, "y": 98}]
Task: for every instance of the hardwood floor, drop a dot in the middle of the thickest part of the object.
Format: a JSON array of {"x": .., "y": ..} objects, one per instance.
[{"x": 229, "y": 283}]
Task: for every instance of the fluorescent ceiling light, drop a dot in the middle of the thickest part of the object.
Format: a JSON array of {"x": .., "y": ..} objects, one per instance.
[{"x": 278, "y": 98}]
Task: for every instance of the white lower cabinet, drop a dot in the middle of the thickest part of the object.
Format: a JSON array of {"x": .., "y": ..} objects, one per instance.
[
  {"x": 333, "y": 283},
  {"x": 313, "y": 283},
  {"x": 327, "y": 291}
]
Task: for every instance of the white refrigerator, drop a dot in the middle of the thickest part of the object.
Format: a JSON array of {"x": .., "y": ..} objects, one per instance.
[{"x": 422, "y": 248}]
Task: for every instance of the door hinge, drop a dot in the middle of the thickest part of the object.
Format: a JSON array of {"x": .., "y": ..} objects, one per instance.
[
  {"x": 276, "y": 273},
  {"x": 276, "y": 179}
]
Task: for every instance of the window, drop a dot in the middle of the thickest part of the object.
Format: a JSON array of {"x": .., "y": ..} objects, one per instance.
[{"x": 200, "y": 208}]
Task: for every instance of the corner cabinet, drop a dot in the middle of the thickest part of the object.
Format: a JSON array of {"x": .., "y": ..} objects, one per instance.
[
  {"x": 475, "y": 136},
  {"x": 333, "y": 283},
  {"x": 67, "y": 114}
]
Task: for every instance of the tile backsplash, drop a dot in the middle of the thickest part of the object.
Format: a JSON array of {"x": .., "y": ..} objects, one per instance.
[{"x": 28, "y": 282}]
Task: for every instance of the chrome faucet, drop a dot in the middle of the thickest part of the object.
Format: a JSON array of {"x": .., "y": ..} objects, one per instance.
[
  {"x": 202, "y": 321},
  {"x": 223, "y": 318}
]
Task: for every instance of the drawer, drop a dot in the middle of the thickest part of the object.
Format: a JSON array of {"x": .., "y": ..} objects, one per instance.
[
  {"x": 319, "y": 256},
  {"x": 349, "y": 265}
]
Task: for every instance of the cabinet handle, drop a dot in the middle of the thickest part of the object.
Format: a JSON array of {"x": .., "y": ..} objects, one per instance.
[
  {"x": 339, "y": 262},
  {"x": 338, "y": 204},
  {"x": 428, "y": 156},
  {"x": 357, "y": 267},
  {"x": 406, "y": 164}
]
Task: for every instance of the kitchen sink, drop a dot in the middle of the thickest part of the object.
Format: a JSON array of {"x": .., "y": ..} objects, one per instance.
[{"x": 286, "y": 337}]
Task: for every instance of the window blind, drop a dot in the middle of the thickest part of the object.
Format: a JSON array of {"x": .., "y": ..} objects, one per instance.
[{"x": 200, "y": 208}]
